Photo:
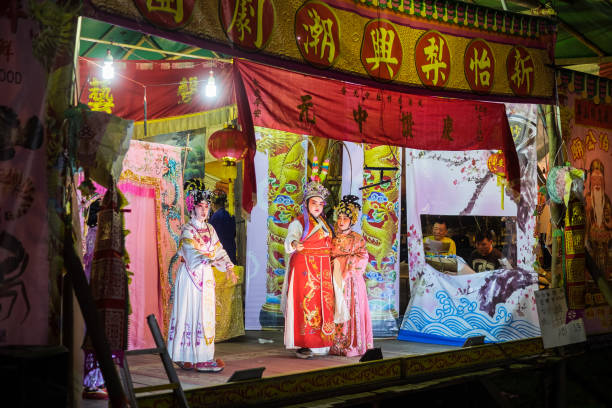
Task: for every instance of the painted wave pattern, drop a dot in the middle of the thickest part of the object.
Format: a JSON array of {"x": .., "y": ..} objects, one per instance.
[{"x": 465, "y": 320}]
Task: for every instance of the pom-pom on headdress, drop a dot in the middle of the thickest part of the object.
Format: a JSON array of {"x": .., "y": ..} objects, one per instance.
[
  {"x": 315, "y": 188},
  {"x": 195, "y": 193},
  {"x": 349, "y": 206}
]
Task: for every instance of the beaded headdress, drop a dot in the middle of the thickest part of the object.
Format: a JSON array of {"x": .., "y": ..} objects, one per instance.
[
  {"x": 195, "y": 193},
  {"x": 315, "y": 188},
  {"x": 349, "y": 206}
]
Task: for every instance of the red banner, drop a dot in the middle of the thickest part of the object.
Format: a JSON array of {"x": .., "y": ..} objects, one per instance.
[
  {"x": 173, "y": 88},
  {"x": 285, "y": 100}
]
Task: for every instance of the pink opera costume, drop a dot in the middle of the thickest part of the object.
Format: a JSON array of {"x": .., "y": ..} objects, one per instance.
[
  {"x": 191, "y": 337},
  {"x": 349, "y": 261}
]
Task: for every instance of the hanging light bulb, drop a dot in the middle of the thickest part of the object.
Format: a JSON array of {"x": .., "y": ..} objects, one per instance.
[
  {"x": 108, "y": 71},
  {"x": 211, "y": 88}
]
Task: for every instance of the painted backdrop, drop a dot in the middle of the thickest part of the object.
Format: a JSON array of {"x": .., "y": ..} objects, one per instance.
[
  {"x": 586, "y": 121},
  {"x": 498, "y": 304}
]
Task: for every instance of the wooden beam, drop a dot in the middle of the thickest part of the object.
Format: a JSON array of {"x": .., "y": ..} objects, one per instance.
[
  {"x": 560, "y": 62},
  {"x": 92, "y": 46},
  {"x": 592, "y": 46},
  {"x": 94, "y": 40},
  {"x": 187, "y": 50},
  {"x": 129, "y": 52}
]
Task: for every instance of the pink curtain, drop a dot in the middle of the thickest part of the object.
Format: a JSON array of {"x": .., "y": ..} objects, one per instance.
[{"x": 141, "y": 245}]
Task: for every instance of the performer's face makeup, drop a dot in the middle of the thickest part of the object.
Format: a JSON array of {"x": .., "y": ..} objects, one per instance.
[
  {"x": 344, "y": 222},
  {"x": 315, "y": 206},
  {"x": 201, "y": 210}
]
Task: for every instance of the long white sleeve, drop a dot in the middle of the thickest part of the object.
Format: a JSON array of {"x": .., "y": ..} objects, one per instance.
[{"x": 294, "y": 233}]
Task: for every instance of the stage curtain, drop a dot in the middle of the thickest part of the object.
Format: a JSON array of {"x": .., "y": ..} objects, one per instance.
[
  {"x": 159, "y": 165},
  {"x": 141, "y": 243},
  {"x": 229, "y": 313}
]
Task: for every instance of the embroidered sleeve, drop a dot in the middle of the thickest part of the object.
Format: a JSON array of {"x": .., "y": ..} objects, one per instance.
[
  {"x": 361, "y": 255},
  {"x": 189, "y": 250}
]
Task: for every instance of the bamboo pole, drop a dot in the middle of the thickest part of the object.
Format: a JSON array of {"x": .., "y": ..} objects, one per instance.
[
  {"x": 555, "y": 209},
  {"x": 163, "y": 52}
]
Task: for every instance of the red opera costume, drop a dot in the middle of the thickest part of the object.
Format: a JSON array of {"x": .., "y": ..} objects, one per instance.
[{"x": 309, "y": 313}]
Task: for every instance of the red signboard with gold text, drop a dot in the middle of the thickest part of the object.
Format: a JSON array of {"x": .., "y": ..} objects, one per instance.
[{"x": 456, "y": 47}]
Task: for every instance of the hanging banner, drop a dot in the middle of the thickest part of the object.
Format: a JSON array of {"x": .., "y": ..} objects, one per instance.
[
  {"x": 169, "y": 88},
  {"x": 35, "y": 74},
  {"x": 585, "y": 104},
  {"x": 432, "y": 47},
  {"x": 380, "y": 225},
  {"x": 354, "y": 113},
  {"x": 159, "y": 167}
]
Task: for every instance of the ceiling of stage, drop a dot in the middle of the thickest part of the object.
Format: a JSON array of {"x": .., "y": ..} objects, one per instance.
[{"x": 584, "y": 39}]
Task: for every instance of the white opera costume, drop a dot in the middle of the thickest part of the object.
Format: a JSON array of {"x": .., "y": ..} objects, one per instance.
[{"x": 191, "y": 337}]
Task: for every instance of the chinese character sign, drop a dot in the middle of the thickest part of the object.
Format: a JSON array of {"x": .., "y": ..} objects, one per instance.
[
  {"x": 100, "y": 96},
  {"x": 247, "y": 23},
  {"x": 520, "y": 70},
  {"x": 317, "y": 34},
  {"x": 479, "y": 66},
  {"x": 381, "y": 50},
  {"x": 187, "y": 88},
  {"x": 170, "y": 14},
  {"x": 432, "y": 58}
]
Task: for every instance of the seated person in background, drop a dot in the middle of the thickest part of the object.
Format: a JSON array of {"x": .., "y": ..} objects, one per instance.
[
  {"x": 439, "y": 234},
  {"x": 485, "y": 257}
]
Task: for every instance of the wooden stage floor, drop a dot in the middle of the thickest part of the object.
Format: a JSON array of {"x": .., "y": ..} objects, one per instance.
[{"x": 259, "y": 349}]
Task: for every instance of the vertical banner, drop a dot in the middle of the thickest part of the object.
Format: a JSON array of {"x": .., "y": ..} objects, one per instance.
[
  {"x": 35, "y": 69},
  {"x": 256, "y": 251},
  {"x": 585, "y": 104},
  {"x": 159, "y": 166},
  {"x": 285, "y": 176},
  {"x": 380, "y": 225}
]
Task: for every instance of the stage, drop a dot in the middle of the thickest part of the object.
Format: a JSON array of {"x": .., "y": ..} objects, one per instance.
[{"x": 286, "y": 376}]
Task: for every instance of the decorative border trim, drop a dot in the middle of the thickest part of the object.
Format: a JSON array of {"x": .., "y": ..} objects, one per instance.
[{"x": 350, "y": 378}]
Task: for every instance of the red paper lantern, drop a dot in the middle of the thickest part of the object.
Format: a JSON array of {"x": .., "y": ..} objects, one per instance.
[
  {"x": 495, "y": 163},
  {"x": 229, "y": 145}
]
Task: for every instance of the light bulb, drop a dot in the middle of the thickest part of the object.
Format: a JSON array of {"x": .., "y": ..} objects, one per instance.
[
  {"x": 211, "y": 88},
  {"x": 108, "y": 71}
]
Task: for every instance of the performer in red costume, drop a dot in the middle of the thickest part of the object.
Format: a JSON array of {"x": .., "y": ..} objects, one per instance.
[{"x": 308, "y": 292}]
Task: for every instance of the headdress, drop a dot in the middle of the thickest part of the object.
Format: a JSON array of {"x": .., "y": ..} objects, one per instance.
[
  {"x": 195, "y": 193},
  {"x": 349, "y": 206},
  {"x": 315, "y": 188}
]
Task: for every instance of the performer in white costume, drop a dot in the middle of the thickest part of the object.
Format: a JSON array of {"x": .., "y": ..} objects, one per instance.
[{"x": 191, "y": 337}]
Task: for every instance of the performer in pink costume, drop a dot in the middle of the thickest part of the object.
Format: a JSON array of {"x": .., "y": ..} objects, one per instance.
[{"x": 349, "y": 261}]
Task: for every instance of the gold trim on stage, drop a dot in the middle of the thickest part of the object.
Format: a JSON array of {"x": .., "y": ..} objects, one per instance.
[{"x": 370, "y": 375}]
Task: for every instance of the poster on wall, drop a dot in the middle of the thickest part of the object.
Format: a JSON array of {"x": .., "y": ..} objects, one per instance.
[
  {"x": 471, "y": 204},
  {"x": 34, "y": 49},
  {"x": 586, "y": 122}
]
